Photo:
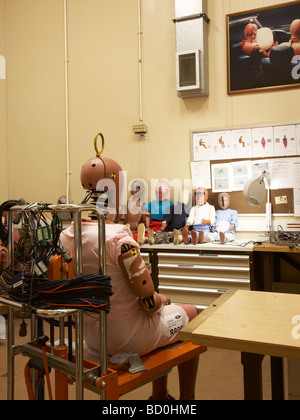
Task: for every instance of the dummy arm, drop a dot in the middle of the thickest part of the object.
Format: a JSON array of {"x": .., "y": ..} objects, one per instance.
[
  {"x": 147, "y": 223},
  {"x": 139, "y": 280}
]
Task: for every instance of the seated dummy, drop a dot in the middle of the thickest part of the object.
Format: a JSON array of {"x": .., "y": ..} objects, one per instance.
[
  {"x": 249, "y": 44},
  {"x": 173, "y": 223},
  {"x": 200, "y": 219},
  {"x": 226, "y": 222},
  {"x": 295, "y": 37},
  {"x": 139, "y": 317},
  {"x": 156, "y": 211},
  {"x": 135, "y": 212}
]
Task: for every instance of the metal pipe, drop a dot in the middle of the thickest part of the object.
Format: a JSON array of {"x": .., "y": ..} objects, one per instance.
[
  {"x": 10, "y": 241},
  {"x": 10, "y": 353},
  {"x": 192, "y": 17},
  {"x": 77, "y": 243},
  {"x": 79, "y": 355}
]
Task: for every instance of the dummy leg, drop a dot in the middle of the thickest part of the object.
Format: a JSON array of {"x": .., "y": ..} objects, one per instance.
[
  {"x": 201, "y": 236},
  {"x": 177, "y": 237},
  {"x": 223, "y": 238},
  {"x": 151, "y": 238},
  {"x": 187, "y": 378},
  {"x": 195, "y": 238},
  {"x": 185, "y": 236},
  {"x": 160, "y": 388},
  {"x": 141, "y": 234}
]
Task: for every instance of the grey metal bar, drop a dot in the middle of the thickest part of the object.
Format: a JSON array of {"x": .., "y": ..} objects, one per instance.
[
  {"x": 10, "y": 241},
  {"x": 10, "y": 354},
  {"x": 79, "y": 355},
  {"x": 77, "y": 244},
  {"x": 192, "y": 17}
]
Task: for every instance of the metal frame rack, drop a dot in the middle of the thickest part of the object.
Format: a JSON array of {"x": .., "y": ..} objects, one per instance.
[{"x": 76, "y": 370}]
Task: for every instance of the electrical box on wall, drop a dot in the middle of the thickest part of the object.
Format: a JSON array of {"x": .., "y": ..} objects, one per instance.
[{"x": 191, "y": 23}]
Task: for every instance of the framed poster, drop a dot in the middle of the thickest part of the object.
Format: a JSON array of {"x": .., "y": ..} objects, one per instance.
[{"x": 263, "y": 50}]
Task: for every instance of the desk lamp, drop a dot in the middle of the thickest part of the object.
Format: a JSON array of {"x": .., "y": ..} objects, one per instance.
[{"x": 255, "y": 194}]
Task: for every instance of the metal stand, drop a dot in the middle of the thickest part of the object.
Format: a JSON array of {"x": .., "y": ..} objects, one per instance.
[{"x": 76, "y": 370}]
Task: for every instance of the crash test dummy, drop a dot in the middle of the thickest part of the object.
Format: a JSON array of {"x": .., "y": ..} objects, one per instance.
[
  {"x": 173, "y": 222},
  {"x": 135, "y": 212},
  {"x": 156, "y": 211},
  {"x": 249, "y": 44},
  {"x": 295, "y": 37},
  {"x": 137, "y": 321},
  {"x": 226, "y": 222},
  {"x": 200, "y": 219}
]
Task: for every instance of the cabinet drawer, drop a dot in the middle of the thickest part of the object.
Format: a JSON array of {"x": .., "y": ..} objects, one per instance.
[
  {"x": 146, "y": 257},
  {"x": 206, "y": 282},
  {"x": 193, "y": 296},
  {"x": 203, "y": 259},
  {"x": 204, "y": 271}
]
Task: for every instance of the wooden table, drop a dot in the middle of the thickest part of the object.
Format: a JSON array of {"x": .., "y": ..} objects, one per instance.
[{"x": 254, "y": 323}]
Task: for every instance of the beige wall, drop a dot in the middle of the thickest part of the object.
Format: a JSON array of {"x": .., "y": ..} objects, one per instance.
[
  {"x": 103, "y": 91},
  {"x": 3, "y": 114}
]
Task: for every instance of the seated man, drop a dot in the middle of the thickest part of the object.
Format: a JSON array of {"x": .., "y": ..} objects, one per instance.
[
  {"x": 226, "y": 221},
  {"x": 200, "y": 219}
]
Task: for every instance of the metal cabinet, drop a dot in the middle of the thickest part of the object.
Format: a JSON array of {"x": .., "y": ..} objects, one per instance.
[{"x": 198, "y": 277}]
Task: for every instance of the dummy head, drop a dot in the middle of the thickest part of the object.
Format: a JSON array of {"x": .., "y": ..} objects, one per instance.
[
  {"x": 201, "y": 196},
  {"x": 295, "y": 29},
  {"x": 250, "y": 30},
  {"x": 102, "y": 176},
  {"x": 135, "y": 187},
  {"x": 162, "y": 190},
  {"x": 224, "y": 200}
]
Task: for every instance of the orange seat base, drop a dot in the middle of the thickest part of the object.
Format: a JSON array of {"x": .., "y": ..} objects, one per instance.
[{"x": 158, "y": 363}]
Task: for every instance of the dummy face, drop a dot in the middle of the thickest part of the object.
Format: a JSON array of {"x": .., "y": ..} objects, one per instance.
[
  {"x": 162, "y": 190},
  {"x": 223, "y": 201},
  {"x": 251, "y": 30},
  {"x": 201, "y": 196},
  {"x": 135, "y": 188},
  {"x": 295, "y": 29}
]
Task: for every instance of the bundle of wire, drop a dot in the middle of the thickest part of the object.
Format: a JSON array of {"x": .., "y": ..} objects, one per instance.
[
  {"x": 87, "y": 292},
  {"x": 283, "y": 238}
]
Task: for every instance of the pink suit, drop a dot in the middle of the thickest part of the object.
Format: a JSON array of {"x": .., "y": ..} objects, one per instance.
[{"x": 129, "y": 329}]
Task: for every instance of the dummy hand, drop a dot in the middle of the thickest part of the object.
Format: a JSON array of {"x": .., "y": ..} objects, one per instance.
[
  {"x": 165, "y": 300},
  {"x": 232, "y": 226},
  {"x": 154, "y": 301},
  {"x": 206, "y": 222}
]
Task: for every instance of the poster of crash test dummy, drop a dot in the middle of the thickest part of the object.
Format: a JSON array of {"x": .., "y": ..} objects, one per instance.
[
  {"x": 285, "y": 143},
  {"x": 263, "y": 48},
  {"x": 241, "y": 143},
  {"x": 202, "y": 146},
  {"x": 263, "y": 142}
]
